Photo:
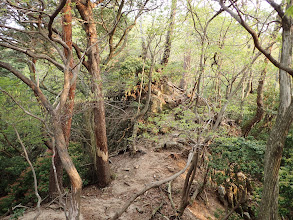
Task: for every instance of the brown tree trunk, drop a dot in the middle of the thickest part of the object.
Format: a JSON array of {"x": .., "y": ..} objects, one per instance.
[
  {"x": 76, "y": 182},
  {"x": 68, "y": 110},
  {"x": 168, "y": 42},
  {"x": 259, "y": 101},
  {"x": 102, "y": 159},
  {"x": 186, "y": 67}
]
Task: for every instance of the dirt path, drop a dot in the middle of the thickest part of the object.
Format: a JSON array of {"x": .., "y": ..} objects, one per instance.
[{"x": 130, "y": 175}]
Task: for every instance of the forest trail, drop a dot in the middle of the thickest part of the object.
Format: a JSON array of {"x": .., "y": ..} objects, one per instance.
[{"x": 130, "y": 175}]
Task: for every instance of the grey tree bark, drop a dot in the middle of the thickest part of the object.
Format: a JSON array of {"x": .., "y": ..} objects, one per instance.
[
  {"x": 167, "y": 49},
  {"x": 275, "y": 144}
]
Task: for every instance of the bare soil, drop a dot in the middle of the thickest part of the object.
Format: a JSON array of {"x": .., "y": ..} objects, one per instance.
[{"x": 131, "y": 174}]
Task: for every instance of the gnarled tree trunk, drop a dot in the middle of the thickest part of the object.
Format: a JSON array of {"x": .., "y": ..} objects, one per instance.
[
  {"x": 68, "y": 110},
  {"x": 76, "y": 182}
]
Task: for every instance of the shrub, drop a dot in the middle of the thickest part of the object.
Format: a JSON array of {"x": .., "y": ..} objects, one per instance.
[
  {"x": 245, "y": 155},
  {"x": 19, "y": 186}
]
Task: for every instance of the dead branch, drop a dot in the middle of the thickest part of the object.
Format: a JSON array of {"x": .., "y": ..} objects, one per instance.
[
  {"x": 157, "y": 209},
  {"x": 22, "y": 108},
  {"x": 34, "y": 174},
  {"x": 170, "y": 194}
]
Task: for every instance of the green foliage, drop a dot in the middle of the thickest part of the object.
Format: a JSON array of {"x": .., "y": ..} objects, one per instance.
[
  {"x": 159, "y": 123},
  {"x": 179, "y": 119},
  {"x": 130, "y": 66},
  {"x": 286, "y": 180},
  {"x": 22, "y": 190},
  {"x": 11, "y": 169},
  {"x": 289, "y": 11},
  {"x": 80, "y": 158},
  {"x": 18, "y": 177},
  {"x": 232, "y": 155},
  {"x": 124, "y": 75},
  {"x": 17, "y": 213},
  {"x": 173, "y": 71},
  {"x": 245, "y": 155}
]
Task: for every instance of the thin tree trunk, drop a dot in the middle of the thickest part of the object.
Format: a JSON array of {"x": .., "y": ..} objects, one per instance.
[
  {"x": 186, "y": 67},
  {"x": 140, "y": 114},
  {"x": 285, "y": 79},
  {"x": 144, "y": 51},
  {"x": 169, "y": 36},
  {"x": 53, "y": 188},
  {"x": 232, "y": 93},
  {"x": 259, "y": 101},
  {"x": 187, "y": 184},
  {"x": 102, "y": 158}
]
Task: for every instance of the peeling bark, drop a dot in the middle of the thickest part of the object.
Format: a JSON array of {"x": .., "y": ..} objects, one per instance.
[
  {"x": 76, "y": 182},
  {"x": 102, "y": 161},
  {"x": 69, "y": 105}
]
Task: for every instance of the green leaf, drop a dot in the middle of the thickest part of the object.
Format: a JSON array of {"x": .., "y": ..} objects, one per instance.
[{"x": 289, "y": 11}]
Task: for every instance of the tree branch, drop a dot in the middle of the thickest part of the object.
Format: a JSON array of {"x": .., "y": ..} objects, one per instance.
[
  {"x": 31, "y": 84},
  {"x": 34, "y": 174},
  {"x": 22, "y": 108},
  {"x": 277, "y": 8},
  {"x": 34, "y": 55},
  {"x": 53, "y": 16},
  {"x": 254, "y": 35}
]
